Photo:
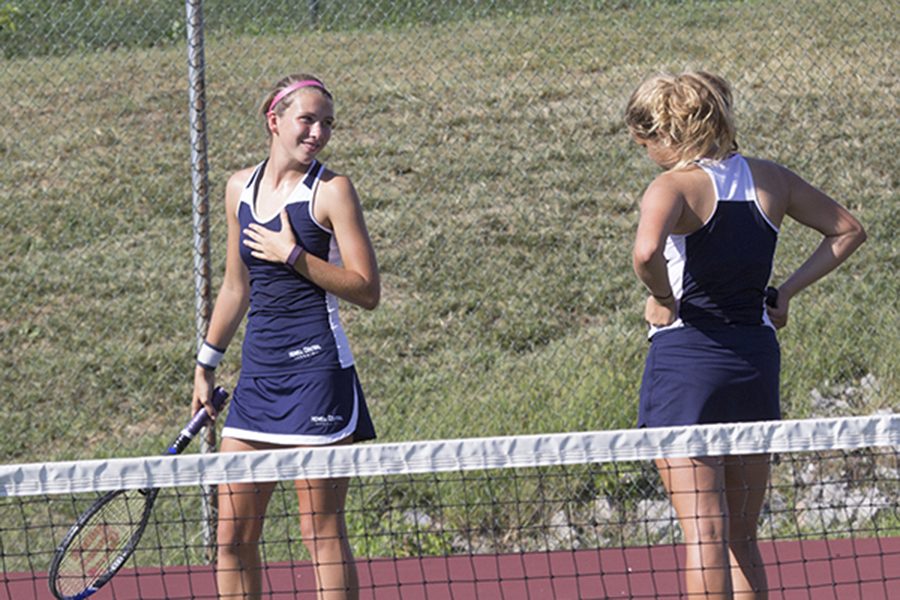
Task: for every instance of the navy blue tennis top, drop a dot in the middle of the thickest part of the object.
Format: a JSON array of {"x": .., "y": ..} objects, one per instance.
[
  {"x": 293, "y": 325},
  {"x": 719, "y": 272}
]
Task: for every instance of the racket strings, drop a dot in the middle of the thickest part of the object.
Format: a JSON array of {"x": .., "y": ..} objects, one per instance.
[{"x": 97, "y": 546}]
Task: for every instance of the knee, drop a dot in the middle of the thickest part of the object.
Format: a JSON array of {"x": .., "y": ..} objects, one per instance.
[
  {"x": 743, "y": 530},
  {"x": 318, "y": 526},
  {"x": 707, "y": 530},
  {"x": 741, "y": 536},
  {"x": 236, "y": 536},
  {"x": 321, "y": 531}
]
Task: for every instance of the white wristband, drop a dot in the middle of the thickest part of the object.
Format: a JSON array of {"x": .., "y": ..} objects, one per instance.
[{"x": 209, "y": 356}]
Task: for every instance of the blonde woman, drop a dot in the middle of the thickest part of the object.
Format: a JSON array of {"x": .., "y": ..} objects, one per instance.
[
  {"x": 704, "y": 250},
  {"x": 297, "y": 242}
]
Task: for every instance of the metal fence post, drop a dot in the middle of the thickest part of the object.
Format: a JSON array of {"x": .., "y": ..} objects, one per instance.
[{"x": 200, "y": 199}]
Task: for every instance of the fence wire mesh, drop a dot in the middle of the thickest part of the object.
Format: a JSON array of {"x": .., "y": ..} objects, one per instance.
[{"x": 500, "y": 188}]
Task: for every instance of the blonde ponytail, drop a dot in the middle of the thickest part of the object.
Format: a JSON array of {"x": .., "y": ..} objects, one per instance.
[{"x": 690, "y": 113}]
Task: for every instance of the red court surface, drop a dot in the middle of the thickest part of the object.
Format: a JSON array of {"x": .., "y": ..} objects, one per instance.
[{"x": 866, "y": 569}]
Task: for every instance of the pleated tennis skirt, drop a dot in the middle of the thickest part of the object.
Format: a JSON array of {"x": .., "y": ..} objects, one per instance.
[
  {"x": 299, "y": 409},
  {"x": 694, "y": 376}
]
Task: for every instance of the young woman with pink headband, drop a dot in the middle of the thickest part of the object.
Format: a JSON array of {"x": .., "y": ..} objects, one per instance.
[{"x": 297, "y": 242}]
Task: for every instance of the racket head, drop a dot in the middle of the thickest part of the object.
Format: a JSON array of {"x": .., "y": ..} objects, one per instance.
[{"x": 99, "y": 543}]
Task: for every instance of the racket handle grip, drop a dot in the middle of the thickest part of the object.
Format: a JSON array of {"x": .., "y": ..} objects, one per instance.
[
  {"x": 201, "y": 418},
  {"x": 771, "y": 296}
]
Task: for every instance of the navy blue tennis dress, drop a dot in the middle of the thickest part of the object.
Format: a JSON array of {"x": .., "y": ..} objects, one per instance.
[
  {"x": 719, "y": 361},
  {"x": 298, "y": 385}
]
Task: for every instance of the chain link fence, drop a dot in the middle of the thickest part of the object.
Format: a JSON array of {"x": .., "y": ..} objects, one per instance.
[{"x": 499, "y": 185}]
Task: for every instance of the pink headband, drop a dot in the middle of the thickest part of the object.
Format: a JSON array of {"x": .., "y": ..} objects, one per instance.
[{"x": 293, "y": 88}]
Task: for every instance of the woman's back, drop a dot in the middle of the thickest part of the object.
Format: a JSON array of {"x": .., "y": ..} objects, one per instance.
[{"x": 719, "y": 255}]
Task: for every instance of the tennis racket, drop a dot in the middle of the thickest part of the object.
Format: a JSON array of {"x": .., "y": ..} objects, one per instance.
[{"x": 106, "y": 534}]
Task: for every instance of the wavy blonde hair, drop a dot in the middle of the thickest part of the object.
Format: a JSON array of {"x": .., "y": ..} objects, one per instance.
[{"x": 690, "y": 113}]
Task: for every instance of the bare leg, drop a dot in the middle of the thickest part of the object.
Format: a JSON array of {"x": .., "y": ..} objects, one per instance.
[
  {"x": 696, "y": 487},
  {"x": 242, "y": 508},
  {"x": 746, "y": 478},
  {"x": 324, "y": 530}
]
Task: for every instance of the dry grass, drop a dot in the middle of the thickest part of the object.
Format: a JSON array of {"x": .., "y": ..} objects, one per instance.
[{"x": 500, "y": 189}]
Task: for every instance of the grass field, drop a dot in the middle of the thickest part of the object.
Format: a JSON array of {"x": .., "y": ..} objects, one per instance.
[{"x": 500, "y": 189}]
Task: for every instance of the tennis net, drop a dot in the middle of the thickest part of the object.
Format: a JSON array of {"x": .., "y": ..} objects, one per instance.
[{"x": 574, "y": 515}]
